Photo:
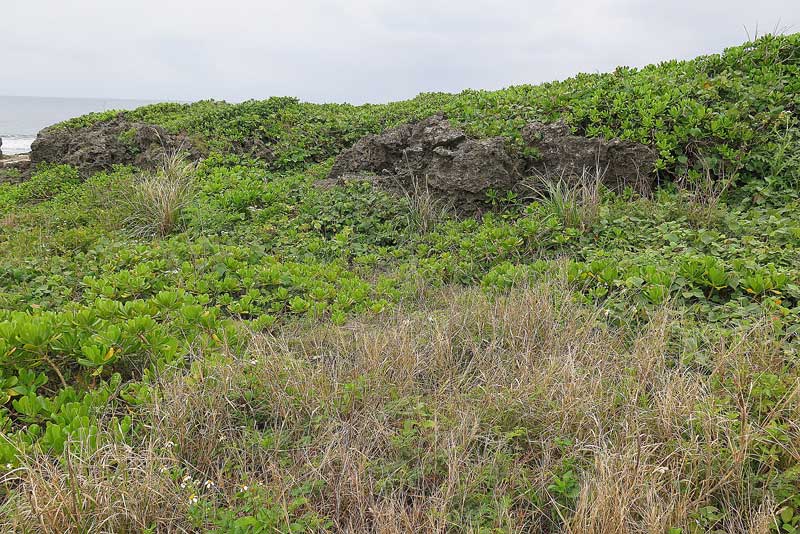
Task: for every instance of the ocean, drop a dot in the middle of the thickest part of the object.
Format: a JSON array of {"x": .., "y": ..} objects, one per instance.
[{"x": 21, "y": 117}]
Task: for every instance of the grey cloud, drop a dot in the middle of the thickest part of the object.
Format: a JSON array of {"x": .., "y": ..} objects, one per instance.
[{"x": 359, "y": 50}]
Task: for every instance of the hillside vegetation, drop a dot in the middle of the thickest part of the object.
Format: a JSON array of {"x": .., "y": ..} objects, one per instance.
[{"x": 222, "y": 346}]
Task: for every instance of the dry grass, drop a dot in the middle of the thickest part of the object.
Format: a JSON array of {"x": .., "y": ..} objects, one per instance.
[
  {"x": 704, "y": 194},
  {"x": 116, "y": 489},
  {"x": 9, "y": 221},
  {"x": 456, "y": 414},
  {"x": 426, "y": 208}
]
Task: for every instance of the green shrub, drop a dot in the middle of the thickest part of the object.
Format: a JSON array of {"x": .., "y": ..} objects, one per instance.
[{"x": 44, "y": 185}]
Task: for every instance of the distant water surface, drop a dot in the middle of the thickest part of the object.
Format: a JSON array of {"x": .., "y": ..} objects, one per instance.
[{"x": 21, "y": 117}]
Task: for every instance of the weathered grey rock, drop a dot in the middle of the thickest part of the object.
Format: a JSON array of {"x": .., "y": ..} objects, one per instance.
[
  {"x": 255, "y": 148},
  {"x": 104, "y": 144},
  {"x": 474, "y": 166},
  {"x": 566, "y": 156},
  {"x": 374, "y": 153},
  {"x": 435, "y": 154},
  {"x": 452, "y": 165}
]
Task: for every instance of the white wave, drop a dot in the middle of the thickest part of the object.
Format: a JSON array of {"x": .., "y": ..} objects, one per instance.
[{"x": 16, "y": 145}]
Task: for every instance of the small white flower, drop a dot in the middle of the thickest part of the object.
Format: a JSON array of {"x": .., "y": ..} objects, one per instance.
[
  {"x": 253, "y": 362},
  {"x": 183, "y": 485},
  {"x": 245, "y": 487},
  {"x": 169, "y": 444},
  {"x": 9, "y": 466},
  {"x": 193, "y": 499},
  {"x": 209, "y": 484}
]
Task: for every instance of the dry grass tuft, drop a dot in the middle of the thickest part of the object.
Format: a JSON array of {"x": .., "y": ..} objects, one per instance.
[
  {"x": 704, "y": 194},
  {"x": 9, "y": 221},
  {"x": 426, "y": 209},
  {"x": 113, "y": 489}
]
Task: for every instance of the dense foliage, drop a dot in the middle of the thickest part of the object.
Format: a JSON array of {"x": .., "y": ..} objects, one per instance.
[{"x": 93, "y": 316}]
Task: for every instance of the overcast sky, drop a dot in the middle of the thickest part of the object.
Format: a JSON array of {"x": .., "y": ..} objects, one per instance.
[{"x": 350, "y": 50}]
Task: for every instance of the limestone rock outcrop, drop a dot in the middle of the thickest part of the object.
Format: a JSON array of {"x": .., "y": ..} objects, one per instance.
[
  {"x": 437, "y": 154},
  {"x": 104, "y": 144},
  {"x": 463, "y": 169},
  {"x": 563, "y": 155}
]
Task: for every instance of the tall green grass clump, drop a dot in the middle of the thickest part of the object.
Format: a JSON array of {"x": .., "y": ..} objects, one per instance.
[
  {"x": 575, "y": 202},
  {"x": 155, "y": 200}
]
